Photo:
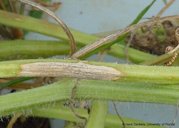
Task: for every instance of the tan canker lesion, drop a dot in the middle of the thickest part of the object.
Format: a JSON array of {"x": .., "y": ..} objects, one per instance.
[{"x": 71, "y": 70}]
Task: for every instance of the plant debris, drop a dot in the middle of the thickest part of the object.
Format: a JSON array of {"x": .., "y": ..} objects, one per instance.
[{"x": 154, "y": 39}]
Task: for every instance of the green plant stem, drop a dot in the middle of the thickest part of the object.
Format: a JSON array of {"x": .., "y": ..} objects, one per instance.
[
  {"x": 111, "y": 121},
  {"x": 17, "y": 49},
  {"x": 30, "y": 68},
  {"x": 97, "y": 114},
  {"x": 24, "y": 49},
  {"x": 49, "y": 29},
  {"x": 134, "y": 55},
  {"x": 88, "y": 89}
]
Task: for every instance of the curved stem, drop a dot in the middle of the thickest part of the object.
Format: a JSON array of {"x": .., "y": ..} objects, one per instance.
[{"x": 62, "y": 24}]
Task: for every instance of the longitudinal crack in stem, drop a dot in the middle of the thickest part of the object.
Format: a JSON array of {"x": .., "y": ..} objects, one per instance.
[
  {"x": 62, "y": 24},
  {"x": 72, "y": 101}
]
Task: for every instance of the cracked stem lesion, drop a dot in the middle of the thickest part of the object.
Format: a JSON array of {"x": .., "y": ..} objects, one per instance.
[{"x": 90, "y": 70}]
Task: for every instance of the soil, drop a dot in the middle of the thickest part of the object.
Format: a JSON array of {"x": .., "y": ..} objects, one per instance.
[
  {"x": 154, "y": 39},
  {"x": 30, "y": 122}
]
